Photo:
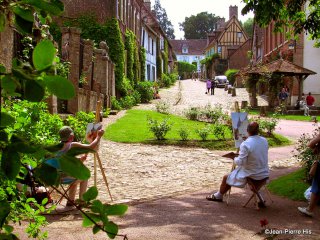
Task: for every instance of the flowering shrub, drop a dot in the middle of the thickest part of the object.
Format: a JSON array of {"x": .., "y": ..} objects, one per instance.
[
  {"x": 219, "y": 131},
  {"x": 304, "y": 154},
  {"x": 162, "y": 107},
  {"x": 192, "y": 113},
  {"x": 266, "y": 232},
  {"x": 159, "y": 129},
  {"x": 184, "y": 134},
  {"x": 146, "y": 91},
  {"x": 268, "y": 125},
  {"x": 203, "y": 133}
]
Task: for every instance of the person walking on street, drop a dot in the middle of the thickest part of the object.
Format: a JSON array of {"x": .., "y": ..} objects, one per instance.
[
  {"x": 208, "y": 86},
  {"x": 213, "y": 85}
]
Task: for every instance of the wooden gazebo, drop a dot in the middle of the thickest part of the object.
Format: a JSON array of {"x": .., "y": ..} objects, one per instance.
[{"x": 283, "y": 68}]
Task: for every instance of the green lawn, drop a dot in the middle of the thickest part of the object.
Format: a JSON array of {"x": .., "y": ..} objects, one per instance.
[
  {"x": 133, "y": 128},
  {"x": 291, "y": 186},
  {"x": 286, "y": 117}
]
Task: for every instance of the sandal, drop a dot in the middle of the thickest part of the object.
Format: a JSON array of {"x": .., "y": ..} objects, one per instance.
[{"x": 213, "y": 198}]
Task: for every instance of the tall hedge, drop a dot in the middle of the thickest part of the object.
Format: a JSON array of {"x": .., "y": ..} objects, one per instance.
[
  {"x": 185, "y": 68},
  {"x": 230, "y": 73},
  {"x": 116, "y": 50},
  {"x": 143, "y": 59}
]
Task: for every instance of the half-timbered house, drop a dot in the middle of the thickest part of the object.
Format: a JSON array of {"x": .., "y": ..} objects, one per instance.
[{"x": 227, "y": 37}]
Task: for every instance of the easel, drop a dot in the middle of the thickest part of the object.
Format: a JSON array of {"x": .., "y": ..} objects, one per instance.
[
  {"x": 97, "y": 157},
  {"x": 233, "y": 155}
]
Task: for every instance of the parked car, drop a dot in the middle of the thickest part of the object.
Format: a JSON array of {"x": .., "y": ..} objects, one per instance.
[{"x": 221, "y": 81}]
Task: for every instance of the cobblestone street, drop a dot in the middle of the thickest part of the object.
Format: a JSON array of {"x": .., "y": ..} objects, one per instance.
[{"x": 138, "y": 172}]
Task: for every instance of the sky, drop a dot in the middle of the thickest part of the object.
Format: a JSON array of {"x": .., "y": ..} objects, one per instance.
[{"x": 177, "y": 10}]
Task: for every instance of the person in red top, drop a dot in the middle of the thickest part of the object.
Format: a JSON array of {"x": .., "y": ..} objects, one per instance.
[{"x": 310, "y": 100}]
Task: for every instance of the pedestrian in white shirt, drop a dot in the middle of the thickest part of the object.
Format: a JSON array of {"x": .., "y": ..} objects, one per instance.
[{"x": 252, "y": 162}]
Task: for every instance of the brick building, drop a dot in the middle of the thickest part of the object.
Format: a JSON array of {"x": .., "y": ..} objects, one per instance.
[
  {"x": 269, "y": 46},
  {"x": 135, "y": 15}
]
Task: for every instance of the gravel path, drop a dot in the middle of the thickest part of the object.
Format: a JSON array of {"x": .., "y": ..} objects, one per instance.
[
  {"x": 177, "y": 180},
  {"x": 138, "y": 172}
]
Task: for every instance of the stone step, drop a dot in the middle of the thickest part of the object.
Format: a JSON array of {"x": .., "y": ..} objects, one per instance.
[{"x": 301, "y": 112}]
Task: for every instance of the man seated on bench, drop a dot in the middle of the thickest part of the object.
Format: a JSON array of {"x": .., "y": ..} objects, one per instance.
[{"x": 252, "y": 162}]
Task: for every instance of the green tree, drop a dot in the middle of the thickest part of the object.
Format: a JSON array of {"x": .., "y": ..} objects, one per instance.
[
  {"x": 291, "y": 13},
  {"x": 163, "y": 20},
  {"x": 248, "y": 27},
  {"x": 197, "y": 26}
]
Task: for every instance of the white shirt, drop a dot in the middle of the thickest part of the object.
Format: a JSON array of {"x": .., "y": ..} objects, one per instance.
[{"x": 252, "y": 161}]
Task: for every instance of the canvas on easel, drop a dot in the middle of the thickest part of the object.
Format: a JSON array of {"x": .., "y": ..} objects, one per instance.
[
  {"x": 92, "y": 129},
  {"x": 240, "y": 124}
]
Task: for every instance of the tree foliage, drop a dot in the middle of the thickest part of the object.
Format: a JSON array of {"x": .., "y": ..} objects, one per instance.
[
  {"x": 230, "y": 73},
  {"x": 197, "y": 26},
  {"x": 293, "y": 14},
  {"x": 163, "y": 20},
  {"x": 26, "y": 128},
  {"x": 248, "y": 27}
]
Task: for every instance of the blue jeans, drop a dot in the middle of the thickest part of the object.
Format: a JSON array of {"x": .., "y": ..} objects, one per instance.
[{"x": 315, "y": 187}]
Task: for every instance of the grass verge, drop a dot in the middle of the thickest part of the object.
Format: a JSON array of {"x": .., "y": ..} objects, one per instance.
[
  {"x": 133, "y": 128},
  {"x": 286, "y": 117},
  {"x": 291, "y": 186}
]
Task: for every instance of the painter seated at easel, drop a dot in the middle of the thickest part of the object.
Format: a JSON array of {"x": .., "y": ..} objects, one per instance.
[
  {"x": 252, "y": 162},
  {"x": 67, "y": 137}
]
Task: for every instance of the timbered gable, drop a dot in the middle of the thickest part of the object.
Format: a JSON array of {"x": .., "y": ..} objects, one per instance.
[
  {"x": 231, "y": 38},
  {"x": 233, "y": 34}
]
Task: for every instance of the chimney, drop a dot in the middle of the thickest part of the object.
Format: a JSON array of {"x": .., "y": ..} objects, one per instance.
[
  {"x": 147, "y": 3},
  {"x": 233, "y": 11},
  {"x": 220, "y": 23}
]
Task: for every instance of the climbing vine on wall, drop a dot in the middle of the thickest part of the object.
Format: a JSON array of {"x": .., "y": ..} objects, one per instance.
[
  {"x": 143, "y": 58},
  {"x": 90, "y": 27},
  {"x": 116, "y": 50},
  {"x": 165, "y": 57},
  {"x": 136, "y": 64},
  {"x": 159, "y": 61},
  {"x": 133, "y": 61},
  {"x": 129, "y": 46}
]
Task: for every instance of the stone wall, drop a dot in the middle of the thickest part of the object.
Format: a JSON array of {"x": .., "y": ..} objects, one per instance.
[{"x": 93, "y": 66}]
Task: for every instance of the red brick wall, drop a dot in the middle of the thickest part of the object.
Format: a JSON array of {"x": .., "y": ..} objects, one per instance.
[
  {"x": 239, "y": 58},
  {"x": 129, "y": 12},
  {"x": 103, "y": 9}
]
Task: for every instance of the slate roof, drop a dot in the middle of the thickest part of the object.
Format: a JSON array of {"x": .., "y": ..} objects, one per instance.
[{"x": 195, "y": 46}]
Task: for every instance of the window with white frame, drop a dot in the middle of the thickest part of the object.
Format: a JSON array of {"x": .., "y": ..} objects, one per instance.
[{"x": 161, "y": 44}]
